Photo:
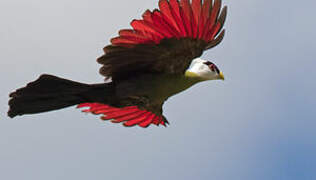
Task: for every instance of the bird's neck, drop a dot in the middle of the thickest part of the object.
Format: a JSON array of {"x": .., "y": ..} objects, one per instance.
[
  {"x": 172, "y": 85},
  {"x": 190, "y": 76}
]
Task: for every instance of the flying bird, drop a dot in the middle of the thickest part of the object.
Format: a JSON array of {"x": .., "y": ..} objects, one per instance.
[{"x": 154, "y": 60}]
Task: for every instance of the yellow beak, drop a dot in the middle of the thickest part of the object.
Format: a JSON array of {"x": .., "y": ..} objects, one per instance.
[{"x": 221, "y": 76}]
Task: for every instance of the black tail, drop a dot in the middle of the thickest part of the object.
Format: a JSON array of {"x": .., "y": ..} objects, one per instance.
[{"x": 51, "y": 93}]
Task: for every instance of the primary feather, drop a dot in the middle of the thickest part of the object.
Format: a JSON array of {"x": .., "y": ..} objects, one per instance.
[
  {"x": 165, "y": 40},
  {"x": 147, "y": 64}
]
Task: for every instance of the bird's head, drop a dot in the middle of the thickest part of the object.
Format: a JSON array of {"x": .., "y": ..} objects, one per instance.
[{"x": 204, "y": 70}]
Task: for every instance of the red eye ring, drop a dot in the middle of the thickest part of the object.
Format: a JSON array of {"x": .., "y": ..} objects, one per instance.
[{"x": 212, "y": 67}]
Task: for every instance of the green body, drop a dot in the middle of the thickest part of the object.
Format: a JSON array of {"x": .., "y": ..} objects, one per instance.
[
  {"x": 168, "y": 85},
  {"x": 152, "y": 90}
]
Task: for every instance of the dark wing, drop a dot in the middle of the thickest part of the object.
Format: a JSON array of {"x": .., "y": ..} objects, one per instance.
[
  {"x": 130, "y": 106},
  {"x": 142, "y": 115},
  {"x": 165, "y": 40}
]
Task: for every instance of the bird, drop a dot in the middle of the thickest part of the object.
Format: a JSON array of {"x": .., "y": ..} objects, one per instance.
[{"x": 158, "y": 57}]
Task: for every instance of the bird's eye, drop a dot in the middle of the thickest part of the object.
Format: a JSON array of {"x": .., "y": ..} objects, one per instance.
[{"x": 212, "y": 67}]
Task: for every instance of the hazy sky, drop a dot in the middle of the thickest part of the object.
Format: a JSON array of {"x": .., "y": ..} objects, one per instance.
[{"x": 258, "y": 124}]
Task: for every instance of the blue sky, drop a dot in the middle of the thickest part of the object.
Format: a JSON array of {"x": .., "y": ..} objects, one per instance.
[{"x": 257, "y": 124}]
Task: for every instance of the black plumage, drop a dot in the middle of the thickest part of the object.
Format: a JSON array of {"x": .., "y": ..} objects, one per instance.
[{"x": 146, "y": 64}]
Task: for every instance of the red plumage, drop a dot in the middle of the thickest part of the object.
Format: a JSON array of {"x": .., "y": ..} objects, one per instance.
[
  {"x": 174, "y": 19},
  {"x": 130, "y": 115},
  {"x": 164, "y": 42}
]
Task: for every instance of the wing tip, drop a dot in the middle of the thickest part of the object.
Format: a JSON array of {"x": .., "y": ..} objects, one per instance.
[{"x": 216, "y": 41}]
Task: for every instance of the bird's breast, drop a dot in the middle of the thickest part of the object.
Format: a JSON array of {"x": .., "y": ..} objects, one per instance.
[{"x": 156, "y": 87}]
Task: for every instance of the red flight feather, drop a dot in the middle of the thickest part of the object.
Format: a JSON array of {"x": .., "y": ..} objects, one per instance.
[
  {"x": 174, "y": 19},
  {"x": 130, "y": 115}
]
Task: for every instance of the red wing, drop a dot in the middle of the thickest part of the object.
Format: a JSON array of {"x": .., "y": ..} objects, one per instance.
[
  {"x": 129, "y": 116},
  {"x": 175, "y": 19},
  {"x": 165, "y": 40}
]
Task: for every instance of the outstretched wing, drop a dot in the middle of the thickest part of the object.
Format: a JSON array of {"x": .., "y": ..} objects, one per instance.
[
  {"x": 128, "y": 115},
  {"x": 165, "y": 40}
]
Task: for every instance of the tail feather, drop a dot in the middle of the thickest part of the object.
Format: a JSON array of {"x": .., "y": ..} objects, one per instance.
[{"x": 49, "y": 93}]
